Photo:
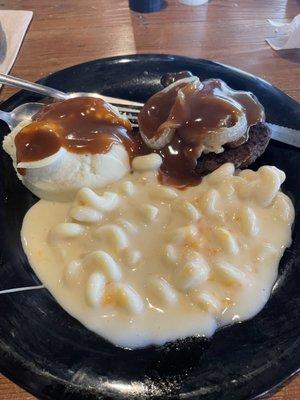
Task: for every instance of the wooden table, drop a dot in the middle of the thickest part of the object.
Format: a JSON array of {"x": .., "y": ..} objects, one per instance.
[{"x": 68, "y": 32}]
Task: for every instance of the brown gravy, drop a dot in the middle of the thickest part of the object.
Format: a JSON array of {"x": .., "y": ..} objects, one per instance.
[
  {"x": 89, "y": 125},
  {"x": 205, "y": 108},
  {"x": 81, "y": 125}
]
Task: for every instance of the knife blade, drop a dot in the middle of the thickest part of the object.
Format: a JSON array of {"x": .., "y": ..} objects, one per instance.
[{"x": 285, "y": 135}]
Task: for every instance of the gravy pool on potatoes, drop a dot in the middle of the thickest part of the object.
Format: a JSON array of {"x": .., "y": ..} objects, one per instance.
[{"x": 140, "y": 263}]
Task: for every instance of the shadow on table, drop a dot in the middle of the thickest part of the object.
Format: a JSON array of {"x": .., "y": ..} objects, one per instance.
[
  {"x": 291, "y": 55},
  {"x": 290, "y": 8}
]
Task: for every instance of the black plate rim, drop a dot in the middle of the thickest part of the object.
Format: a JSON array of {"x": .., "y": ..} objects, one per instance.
[{"x": 158, "y": 56}]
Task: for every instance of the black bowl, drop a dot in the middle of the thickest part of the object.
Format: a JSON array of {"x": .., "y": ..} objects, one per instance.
[{"x": 53, "y": 356}]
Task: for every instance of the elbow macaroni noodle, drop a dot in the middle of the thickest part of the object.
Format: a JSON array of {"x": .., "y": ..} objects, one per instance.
[
  {"x": 67, "y": 230},
  {"x": 141, "y": 263},
  {"x": 107, "y": 202},
  {"x": 150, "y": 162},
  {"x": 162, "y": 291},
  {"x": 104, "y": 262},
  {"x": 85, "y": 214},
  {"x": 115, "y": 235},
  {"x": 207, "y": 302},
  {"x": 95, "y": 288},
  {"x": 127, "y": 188},
  {"x": 149, "y": 212}
]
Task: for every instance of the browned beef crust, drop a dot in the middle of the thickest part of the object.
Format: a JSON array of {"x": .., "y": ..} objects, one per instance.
[{"x": 242, "y": 156}]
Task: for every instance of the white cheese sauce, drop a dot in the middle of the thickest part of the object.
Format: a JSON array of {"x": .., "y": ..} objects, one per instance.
[{"x": 140, "y": 263}]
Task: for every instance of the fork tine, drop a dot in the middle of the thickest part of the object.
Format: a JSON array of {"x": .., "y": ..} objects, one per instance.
[
  {"x": 128, "y": 110},
  {"x": 116, "y": 101}
]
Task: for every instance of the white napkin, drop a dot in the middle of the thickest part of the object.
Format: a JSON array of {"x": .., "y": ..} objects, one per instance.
[
  {"x": 13, "y": 26},
  {"x": 193, "y": 2},
  {"x": 287, "y": 34}
]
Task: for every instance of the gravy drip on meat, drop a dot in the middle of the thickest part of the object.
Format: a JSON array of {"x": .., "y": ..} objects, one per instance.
[
  {"x": 199, "y": 109},
  {"x": 81, "y": 125}
]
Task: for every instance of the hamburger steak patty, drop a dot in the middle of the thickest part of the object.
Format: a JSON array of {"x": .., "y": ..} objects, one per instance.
[{"x": 241, "y": 156}]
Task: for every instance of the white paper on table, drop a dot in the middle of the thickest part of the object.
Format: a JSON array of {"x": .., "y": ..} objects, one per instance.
[
  {"x": 13, "y": 27},
  {"x": 193, "y": 2},
  {"x": 287, "y": 34}
]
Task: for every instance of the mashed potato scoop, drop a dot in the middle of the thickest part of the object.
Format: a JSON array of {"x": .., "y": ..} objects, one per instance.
[{"x": 69, "y": 144}]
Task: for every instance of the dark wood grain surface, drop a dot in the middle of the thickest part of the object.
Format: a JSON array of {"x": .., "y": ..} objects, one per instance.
[{"x": 68, "y": 32}]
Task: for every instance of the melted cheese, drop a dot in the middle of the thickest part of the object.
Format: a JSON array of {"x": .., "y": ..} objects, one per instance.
[{"x": 140, "y": 263}]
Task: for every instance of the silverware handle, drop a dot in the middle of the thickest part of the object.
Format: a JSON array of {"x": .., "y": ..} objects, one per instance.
[
  {"x": 32, "y": 87},
  {"x": 5, "y": 116}
]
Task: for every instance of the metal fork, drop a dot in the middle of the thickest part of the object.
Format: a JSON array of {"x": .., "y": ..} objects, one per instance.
[{"x": 130, "y": 108}]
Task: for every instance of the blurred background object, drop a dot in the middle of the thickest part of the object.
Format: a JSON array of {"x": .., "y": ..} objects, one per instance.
[
  {"x": 13, "y": 27},
  {"x": 287, "y": 35},
  {"x": 193, "y": 2},
  {"x": 145, "y": 6}
]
